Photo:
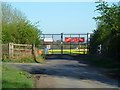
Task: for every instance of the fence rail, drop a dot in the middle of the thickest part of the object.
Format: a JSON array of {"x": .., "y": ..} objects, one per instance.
[
  {"x": 17, "y": 50},
  {"x": 22, "y": 45}
]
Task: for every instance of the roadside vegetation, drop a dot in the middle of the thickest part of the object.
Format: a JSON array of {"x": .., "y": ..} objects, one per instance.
[
  {"x": 16, "y": 28},
  {"x": 105, "y": 40},
  {"x": 39, "y": 59},
  {"x": 14, "y": 78},
  {"x": 107, "y": 33},
  {"x": 99, "y": 61}
]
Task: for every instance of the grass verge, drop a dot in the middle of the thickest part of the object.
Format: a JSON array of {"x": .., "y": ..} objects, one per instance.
[
  {"x": 14, "y": 78},
  {"x": 39, "y": 59},
  {"x": 104, "y": 62},
  {"x": 101, "y": 61}
]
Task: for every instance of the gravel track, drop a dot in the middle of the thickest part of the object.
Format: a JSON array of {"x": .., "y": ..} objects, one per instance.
[{"x": 67, "y": 72}]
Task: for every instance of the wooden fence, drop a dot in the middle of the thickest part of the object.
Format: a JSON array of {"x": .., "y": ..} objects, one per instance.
[{"x": 12, "y": 50}]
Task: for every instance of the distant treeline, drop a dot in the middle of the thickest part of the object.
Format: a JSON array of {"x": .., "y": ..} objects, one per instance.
[
  {"x": 17, "y": 28},
  {"x": 108, "y": 30}
]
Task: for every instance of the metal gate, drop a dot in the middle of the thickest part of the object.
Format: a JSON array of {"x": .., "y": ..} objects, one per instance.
[{"x": 64, "y": 43}]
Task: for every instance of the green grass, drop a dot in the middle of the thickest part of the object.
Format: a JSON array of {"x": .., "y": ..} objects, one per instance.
[
  {"x": 39, "y": 58},
  {"x": 14, "y": 78},
  {"x": 24, "y": 60},
  {"x": 101, "y": 61}
]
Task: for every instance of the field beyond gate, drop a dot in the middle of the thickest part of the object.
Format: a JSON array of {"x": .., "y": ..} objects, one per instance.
[{"x": 66, "y": 51}]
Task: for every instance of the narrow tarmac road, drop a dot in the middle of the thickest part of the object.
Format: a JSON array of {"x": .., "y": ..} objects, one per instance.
[{"x": 67, "y": 72}]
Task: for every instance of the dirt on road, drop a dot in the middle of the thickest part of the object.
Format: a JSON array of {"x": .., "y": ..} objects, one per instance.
[{"x": 67, "y": 72}]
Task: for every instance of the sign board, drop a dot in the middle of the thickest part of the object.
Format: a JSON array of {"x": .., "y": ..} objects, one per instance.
[
  {"x": 48, "y": 40},
  {"x": 48, "y": 46},
  {"x": 74, "y": 39}
]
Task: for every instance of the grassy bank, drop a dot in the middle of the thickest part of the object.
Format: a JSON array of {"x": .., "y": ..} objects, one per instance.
[
  {"x": 39, "y": 59},
  {"x": 14, "y": 78},
  {"x": 101, "y": 61}
]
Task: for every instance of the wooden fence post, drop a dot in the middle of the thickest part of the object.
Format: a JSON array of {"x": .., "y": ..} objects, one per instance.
[
  {"x": 10, "y": 50},
  {"x": 33, "y": 48},
  {"x": 33, "y": 52}
]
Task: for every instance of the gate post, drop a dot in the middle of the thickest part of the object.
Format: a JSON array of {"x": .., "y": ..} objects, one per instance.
[
  {"x": 61, "y": 43},
  {"x": 88, "y": 49},
  {"x": 10, "y": 49},
  {"x": 34, "y": 53}
]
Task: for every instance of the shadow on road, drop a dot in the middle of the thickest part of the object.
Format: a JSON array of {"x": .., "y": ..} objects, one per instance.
[
  {"x": 65, "y": 57},
  {"x": 70, "y": 67},
  {"x": 77, "y": 70}
]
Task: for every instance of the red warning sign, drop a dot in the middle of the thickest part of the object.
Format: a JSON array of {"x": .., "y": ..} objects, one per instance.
[{"x": 74, "y": 39}]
